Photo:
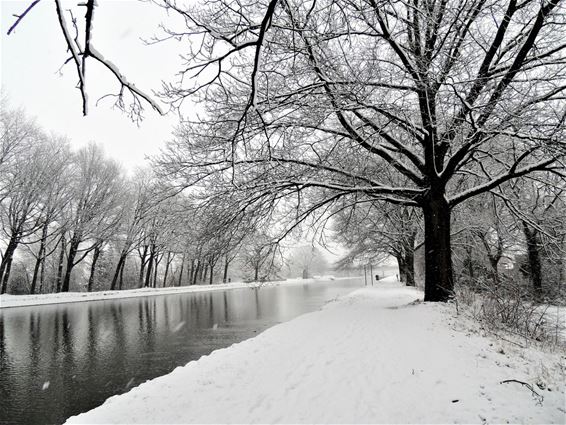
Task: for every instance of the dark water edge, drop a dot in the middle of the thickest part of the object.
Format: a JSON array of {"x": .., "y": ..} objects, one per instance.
[{"x": 60, "y": 360}]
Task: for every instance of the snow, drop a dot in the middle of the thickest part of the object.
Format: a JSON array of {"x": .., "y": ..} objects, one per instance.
[
  {"x": 377, "y": 355},
  {"x": 7, "y": 300}
]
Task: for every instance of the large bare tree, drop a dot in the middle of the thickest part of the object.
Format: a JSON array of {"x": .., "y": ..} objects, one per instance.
[{"x": 455, "y": 96}]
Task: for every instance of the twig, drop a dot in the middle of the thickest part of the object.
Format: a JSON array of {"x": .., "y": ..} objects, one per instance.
[
  {"x": 539, "y": 398},
  {"x": 20, "y": 17}
]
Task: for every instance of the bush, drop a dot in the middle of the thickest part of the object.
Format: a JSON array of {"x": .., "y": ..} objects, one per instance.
[{"x": 510, "y": 306}]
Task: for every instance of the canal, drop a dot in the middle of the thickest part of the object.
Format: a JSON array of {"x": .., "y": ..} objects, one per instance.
[{"x": 63, "y": 359}]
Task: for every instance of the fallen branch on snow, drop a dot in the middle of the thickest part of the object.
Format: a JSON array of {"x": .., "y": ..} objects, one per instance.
[{"x": 539, "y": 398}]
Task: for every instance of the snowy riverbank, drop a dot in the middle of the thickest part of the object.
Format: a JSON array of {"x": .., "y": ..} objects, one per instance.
[
  {"x": 7, "y": 300},
  {"x": 373, "y": 356}
]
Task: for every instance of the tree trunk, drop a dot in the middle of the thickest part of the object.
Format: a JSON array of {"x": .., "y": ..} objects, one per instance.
[
  {"x": 196, "y": 273},
  {"x": 73, "y": 248},
  {"x": 167, "y": 265},
  {"x": 149, "y": 267},
  {"x": 60, "y": 264},
  {"x": 201, "y": 270},
  {"x": 157, "y": 261},
  {"x": 180, "y": 281},
  {"x": 119, "y": 266},
  {"x": 205, "y": 272},
  {"x": 469, "y": 262},
  {"x": 226, "y": 264},
  {"x": 192, "y": 272},
  {"x": 406, "y": 262},
  {"x": 402, "y": 268},
  {"x": 211, "y": 274},
  {"x": 409, "y": 262},
  {"x": 494, "y": 263},
  {"x": 6, "y": 264},
  {"x": 121, "y": 281},
  {"x": 95, "y": 256},
  {"x": 7, "y": 274},
  {"x": 40, "y": 258},
  {"x": 142, "y": 266},
  {"x": 533, "y": 254},
  {"x": 42, "y": 276},
  {"x": 439, "y": 279},
  {"x": 256, "y": 273}
]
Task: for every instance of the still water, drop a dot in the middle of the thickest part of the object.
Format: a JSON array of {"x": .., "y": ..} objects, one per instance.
[{"x": 60, "y": 360}]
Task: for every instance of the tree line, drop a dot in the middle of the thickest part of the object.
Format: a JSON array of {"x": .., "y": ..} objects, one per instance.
[
  {"x": 313, "y": 108},
  {"x": 72, "y": 219}
]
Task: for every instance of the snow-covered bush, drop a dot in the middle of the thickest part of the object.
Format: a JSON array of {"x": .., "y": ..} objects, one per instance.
[{"x": 510, "y": 307}]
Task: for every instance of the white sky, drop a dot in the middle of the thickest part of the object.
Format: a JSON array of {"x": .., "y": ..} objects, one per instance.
[{"x": 32, "y": 55}]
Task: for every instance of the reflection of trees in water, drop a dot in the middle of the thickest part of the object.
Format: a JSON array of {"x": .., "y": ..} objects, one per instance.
[
  {"x": 4, "y": 357},
  {"x": 257, "y": 303},
  {"x": 107, "y": 344},
  {"x": 226, "y": 316},
  {"x": 35, "y": 347},
  {"x": 165, "y": 312}
]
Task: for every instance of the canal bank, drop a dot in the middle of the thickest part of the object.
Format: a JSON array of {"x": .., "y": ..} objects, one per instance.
[
  {"x": 10, "y": 301},
  {"x": 375, "y": 356},
  {"x": 60, "y": 360}
]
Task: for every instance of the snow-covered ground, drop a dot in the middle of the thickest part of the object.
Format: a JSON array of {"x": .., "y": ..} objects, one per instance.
[
  {"x": 7, "y": 300},
  {"x": 373, "y": 356}
]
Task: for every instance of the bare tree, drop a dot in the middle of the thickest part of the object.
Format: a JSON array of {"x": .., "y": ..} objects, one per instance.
[
  {"x": 259, "y": 255},
  {"x": 332, "y": 95},
  {"x": 538, "y": 204},
  {"x": 55, "y": 197},
  {"x": 94, "y": 207},
  {"x": 485, "y": 228},
  {"x": 136, "y": 208},
  {"x": 456, "y": 97},
  {"x": 26, "y": 180},
  {"x": 370, "y": 230}
]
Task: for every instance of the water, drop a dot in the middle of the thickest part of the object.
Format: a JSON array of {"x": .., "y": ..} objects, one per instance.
[{"x": 60, "y": 360}]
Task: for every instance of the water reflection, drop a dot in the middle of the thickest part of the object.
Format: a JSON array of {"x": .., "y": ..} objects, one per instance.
[{"x": 60, "y": 360}]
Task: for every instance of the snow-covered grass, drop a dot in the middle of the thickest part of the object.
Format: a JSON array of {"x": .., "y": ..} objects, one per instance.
[
  {"x": 506, "y": 309},
  {"x": 376, "y": 356},
  {"x": 7, "y": 300}
]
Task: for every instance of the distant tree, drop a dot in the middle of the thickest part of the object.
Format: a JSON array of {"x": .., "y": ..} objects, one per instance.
[
  {"x": 137, "y": 205},
  {"x": 54, "y": 199},
  {"x": 484, "y": 228},
  {"x": 373, "y": 231},
  {"x": 456, "y": 97},
  {"x": 260, "y": 256},
  {"x": 93, "y": 210},
  {"x": 305, "y": 261},
  {"x": 335, "y": 97},
  {"x": 25, "y": 177},
  {"x": 539, "y": 204}
]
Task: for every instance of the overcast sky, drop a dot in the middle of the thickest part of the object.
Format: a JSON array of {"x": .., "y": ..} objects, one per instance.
[{"x": 33, "y": 54}]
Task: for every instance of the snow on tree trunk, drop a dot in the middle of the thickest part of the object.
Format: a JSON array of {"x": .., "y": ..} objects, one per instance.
[
  {"x": 6, "y": 264},
  {"x": 40, "y": 255},
  {"x": 95, "y": 256},
  {"x": 61, "y": 264},
  {"x": 119, "y": 268},
  {"x": 73, "y": 249}
]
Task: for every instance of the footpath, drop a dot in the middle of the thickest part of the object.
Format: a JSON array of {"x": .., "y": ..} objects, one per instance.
[{"x": 378, "y": 355}]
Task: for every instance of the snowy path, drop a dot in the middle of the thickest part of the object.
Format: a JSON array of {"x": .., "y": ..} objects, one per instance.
[{"x": 369, "y": 357}]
